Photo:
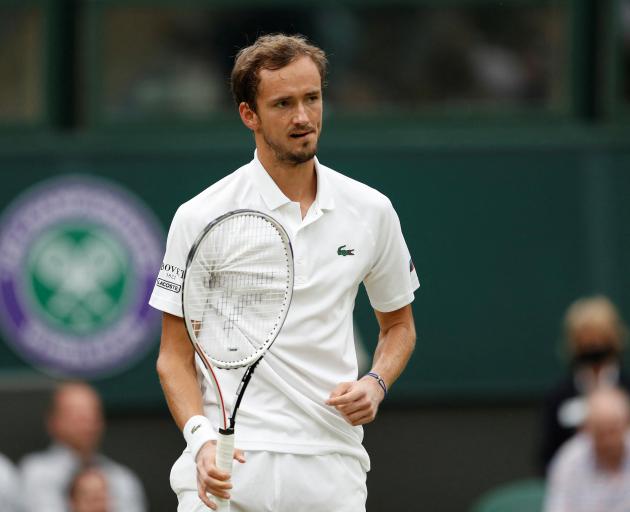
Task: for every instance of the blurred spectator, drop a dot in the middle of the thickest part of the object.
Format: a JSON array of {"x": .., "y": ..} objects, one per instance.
[
  {"x": 591, "y": 472},
  {"x": 595, "y": 335},
  {"x": 9, "y": 486},
  {"x": 75, "y": 423},
  {"x": 88, "y": 492}
]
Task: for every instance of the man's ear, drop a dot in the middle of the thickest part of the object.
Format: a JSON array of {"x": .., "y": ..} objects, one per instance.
[{"x": 248, "y": 116}]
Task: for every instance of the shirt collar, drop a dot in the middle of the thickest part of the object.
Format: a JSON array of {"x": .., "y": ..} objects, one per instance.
[{"x": 274, "y": 197}]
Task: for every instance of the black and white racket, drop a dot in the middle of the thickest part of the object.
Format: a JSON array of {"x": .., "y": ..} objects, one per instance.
[{"x": 236, "y": 295}]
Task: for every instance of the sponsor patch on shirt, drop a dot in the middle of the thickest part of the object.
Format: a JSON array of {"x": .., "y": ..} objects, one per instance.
[
  {"x": 171, "y": 271},
  {"x": 168, "y": 285}
]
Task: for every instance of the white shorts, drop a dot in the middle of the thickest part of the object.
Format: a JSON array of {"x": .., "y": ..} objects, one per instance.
[{"x": 281, "y": 482}]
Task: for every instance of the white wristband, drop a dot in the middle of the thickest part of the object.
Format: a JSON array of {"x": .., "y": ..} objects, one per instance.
[{"x": 197, "y": 432}]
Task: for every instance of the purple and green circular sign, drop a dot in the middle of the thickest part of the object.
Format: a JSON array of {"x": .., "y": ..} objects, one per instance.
[{"x": 79, "y": 257}]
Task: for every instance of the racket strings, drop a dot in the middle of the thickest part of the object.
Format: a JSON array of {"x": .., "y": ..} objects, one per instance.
[{"x": 238, "y": 288}]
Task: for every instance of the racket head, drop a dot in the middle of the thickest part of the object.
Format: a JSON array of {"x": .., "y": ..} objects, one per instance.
[{"x": 237, "y": 288}]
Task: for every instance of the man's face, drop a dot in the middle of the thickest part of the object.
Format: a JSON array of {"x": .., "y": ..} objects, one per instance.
[
  {"x": 608, "y": 436},
  {"x": 90, "y": 494},
  {"x": 289, "y": 108},
  {"x": 77, "y": 419},
  {"x": 593, "y": 337},
  {"x": 594, "y": 345}
]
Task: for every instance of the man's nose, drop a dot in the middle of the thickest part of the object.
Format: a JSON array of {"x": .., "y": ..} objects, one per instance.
[{"x": 299, "y": 115}]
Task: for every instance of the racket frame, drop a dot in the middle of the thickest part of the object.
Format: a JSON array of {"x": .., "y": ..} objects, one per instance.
[
  {"x": 225, "y": 440},
  {"x": 191, "y": 255}
]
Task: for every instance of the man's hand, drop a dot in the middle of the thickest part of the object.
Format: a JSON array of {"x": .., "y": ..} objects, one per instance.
[
  {"x": 211, "y": 479},
  {"x": 357, "y": 401}
]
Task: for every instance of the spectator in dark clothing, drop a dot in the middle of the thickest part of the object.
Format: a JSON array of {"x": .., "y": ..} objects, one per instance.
[{"x": 595, "y": 336}]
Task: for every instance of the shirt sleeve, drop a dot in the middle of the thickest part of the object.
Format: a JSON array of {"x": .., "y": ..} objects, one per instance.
[
  {"x": 167, "y": 293},
  {"x": 392, "y": 278}
]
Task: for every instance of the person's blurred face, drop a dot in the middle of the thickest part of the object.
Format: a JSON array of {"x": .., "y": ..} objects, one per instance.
[
  {"x": 594, "y": 344},
  {"x": 608, "y": 436},
  {"x": 289, "y": 106},
  {"x": 90, "y": 493},
  {"x": 77, "y": 419}
]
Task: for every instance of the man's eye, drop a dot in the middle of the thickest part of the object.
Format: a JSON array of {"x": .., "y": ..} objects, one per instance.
[{"x": 281, "y": 104}]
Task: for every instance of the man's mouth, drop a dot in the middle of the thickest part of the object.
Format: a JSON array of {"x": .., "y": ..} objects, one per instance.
[{"x": 299, "y": 135}]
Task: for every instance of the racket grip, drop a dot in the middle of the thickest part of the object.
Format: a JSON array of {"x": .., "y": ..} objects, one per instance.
[{"x": 225, "y": 456}]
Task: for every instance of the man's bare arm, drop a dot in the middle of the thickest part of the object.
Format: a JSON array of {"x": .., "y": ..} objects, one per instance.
[
  {"x": 396, "y": 341},
  {"x": 176, "y": 369},
  {"x": 178, "y": 377},
  {"x": 358, "y": 401}
]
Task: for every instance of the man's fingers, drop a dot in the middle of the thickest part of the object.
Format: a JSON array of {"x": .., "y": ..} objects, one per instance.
[
  {"x": 210, "y": 479},
  {"x": 203, "y": 496},
  {"x": 362, "y": 420},
  {"x": 239, "y": 455},
  {"x": 214, "y": 481},
  {"x": 214, "y": 478},
  {"x": 213, "y": 484},
  {"x": 357, "y": 403},
  {"x": 340, "y": 389},
  {"x": 362, "y": 402},
  {"x": 212, "y": 472},
  {"x": 221, "y": 494},
  {"x": 349, "y": 395},
  {"x": 215, "y": 488},
  {"x": 360, "y": 417}
]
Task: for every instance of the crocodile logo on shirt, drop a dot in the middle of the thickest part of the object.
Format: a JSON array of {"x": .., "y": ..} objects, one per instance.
[
  {"x": 195, "y": 428},
  {"x": 342, "y": 251}
]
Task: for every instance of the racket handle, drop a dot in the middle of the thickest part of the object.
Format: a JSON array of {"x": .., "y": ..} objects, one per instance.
[{"x": 225, "y": 456}]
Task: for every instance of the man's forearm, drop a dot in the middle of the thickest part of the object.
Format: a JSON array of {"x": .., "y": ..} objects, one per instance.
[
  {"x": 396, "y": 343},
  {"x": 358, "y": 401},
  {"x": 177, "y": 373},
  {"x": 181, "y": 391}
]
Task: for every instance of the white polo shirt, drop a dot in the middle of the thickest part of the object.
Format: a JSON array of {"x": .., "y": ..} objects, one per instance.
[{"x": 350, "y": 235}]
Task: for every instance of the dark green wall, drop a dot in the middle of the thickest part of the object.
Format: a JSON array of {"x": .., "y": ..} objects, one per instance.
[{"x": 504, "y": 234}]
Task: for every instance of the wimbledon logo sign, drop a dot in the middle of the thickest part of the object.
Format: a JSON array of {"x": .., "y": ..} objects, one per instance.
[{"x": 79, "y": 257}]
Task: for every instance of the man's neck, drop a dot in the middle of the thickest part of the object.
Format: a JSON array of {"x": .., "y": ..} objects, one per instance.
[
  {"x": 85, "y": 456},
  {"x": 297, "y": 181}
]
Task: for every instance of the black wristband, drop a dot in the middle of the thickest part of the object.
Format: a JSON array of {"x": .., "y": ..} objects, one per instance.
[{"x": 380, "y": 381}]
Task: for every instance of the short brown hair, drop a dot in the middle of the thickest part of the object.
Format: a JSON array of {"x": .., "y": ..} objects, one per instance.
[{"x": 273, "y": 51}]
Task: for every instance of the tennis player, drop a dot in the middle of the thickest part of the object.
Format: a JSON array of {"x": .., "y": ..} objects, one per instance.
[{"x": 300, "y": 421}]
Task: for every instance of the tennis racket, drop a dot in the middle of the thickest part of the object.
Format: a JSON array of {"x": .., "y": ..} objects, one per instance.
[{"x": 236, "y": 295}]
